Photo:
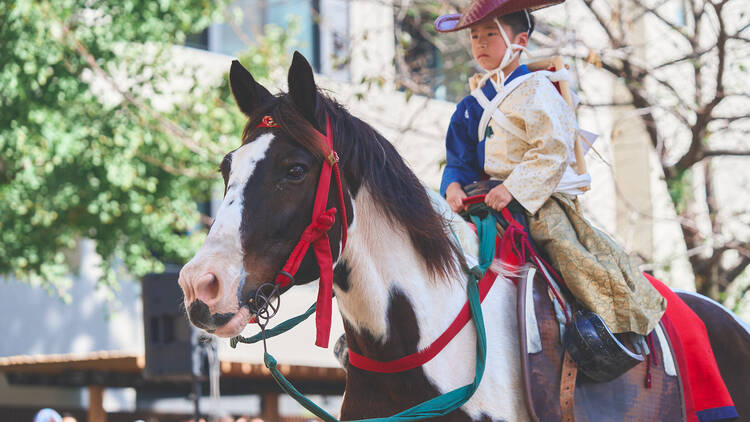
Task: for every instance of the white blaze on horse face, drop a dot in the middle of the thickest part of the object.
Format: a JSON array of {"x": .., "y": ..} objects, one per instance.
[{"x": 221, "y": 253}]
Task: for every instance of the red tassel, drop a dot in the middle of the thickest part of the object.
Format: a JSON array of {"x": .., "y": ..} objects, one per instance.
[{"x": 325, "y": 292}]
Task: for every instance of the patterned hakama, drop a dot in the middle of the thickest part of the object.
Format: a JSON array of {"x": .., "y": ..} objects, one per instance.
[{"x": 597, "y": 271}]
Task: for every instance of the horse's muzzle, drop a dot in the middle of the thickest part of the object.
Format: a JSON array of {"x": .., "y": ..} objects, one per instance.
[{"x": 201, "y": 317}]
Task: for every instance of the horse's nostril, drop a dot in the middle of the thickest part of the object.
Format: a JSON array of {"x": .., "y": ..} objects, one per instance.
[
  {"x": 207, "y": 288},
  {"x": 199, "y": 315}
]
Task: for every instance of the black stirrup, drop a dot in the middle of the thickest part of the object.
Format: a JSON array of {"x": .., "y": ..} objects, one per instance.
[{"x": 596, "y": 351}]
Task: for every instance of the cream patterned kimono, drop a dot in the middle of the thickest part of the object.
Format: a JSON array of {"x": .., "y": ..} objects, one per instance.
[{"x": 533, "y": 156}]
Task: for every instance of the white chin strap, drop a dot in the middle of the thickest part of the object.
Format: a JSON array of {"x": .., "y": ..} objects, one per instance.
[{"x": 512, "y": 52}]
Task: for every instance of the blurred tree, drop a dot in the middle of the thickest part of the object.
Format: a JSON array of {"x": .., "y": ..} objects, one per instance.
[
  {"x": 428, "y": 64},
  {"x": 684, "y": 65},
  {"x": 106, "y": 133}
]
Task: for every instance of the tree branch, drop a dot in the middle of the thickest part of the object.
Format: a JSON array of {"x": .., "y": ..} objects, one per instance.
[
  {"x": 643, "y": 11},
  {"x": 703, "y": 114},
  {"x": 615, "y": 42},
  {"x": 662, "y": 19},
  {"x": 612, "y": 104},
  {"x": 691, "y": 56},
  {"x": 732, "y": 273},
  {"x": 723, "y": 152},
  {"x": 731, "y": 119}
]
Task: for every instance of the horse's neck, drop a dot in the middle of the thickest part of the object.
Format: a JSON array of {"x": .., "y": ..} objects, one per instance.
[
  {"x": 382, "y": 265},
  {"x": 393, "y": 306}
]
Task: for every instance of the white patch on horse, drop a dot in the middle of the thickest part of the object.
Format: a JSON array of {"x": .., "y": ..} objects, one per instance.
[
  {"x": 460, "y": 231},
  {"x": 742, "y": 323},
  {"x": 382, "y": 259},
  {"x": 221, "y": 253},
  {"x": 350, "y": 221},
  {"x": 229, "y": 216}
]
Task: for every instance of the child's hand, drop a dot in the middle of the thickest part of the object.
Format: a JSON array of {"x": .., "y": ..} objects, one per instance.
[
  {"x": 498, "y": 198},
  {"x": 455, "y": 195}
]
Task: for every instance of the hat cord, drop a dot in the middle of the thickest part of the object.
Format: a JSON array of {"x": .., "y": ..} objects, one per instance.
[{"x": 512, "y": 52}]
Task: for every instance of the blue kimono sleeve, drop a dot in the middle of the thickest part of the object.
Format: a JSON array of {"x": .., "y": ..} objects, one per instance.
[{"x": 462, "y": 158}]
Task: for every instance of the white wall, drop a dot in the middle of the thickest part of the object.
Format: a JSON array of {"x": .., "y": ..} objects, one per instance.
[{"x": 36, "y": 323}]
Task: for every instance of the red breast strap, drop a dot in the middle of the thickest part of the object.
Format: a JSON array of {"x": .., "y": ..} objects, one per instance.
[{"x": 418, "y": 359}]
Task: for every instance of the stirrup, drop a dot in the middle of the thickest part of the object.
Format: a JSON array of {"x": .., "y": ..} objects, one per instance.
[{"x": 597, "y": 352}]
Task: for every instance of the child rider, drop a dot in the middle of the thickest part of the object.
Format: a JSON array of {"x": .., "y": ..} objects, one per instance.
[{"x": 517, "y": 128}]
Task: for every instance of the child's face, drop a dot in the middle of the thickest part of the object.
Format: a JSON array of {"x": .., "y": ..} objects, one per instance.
[{"x": 487, "y": 44}]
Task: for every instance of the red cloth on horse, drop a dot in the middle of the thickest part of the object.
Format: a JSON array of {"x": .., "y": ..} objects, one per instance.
[{"x": 706, "y": 396}]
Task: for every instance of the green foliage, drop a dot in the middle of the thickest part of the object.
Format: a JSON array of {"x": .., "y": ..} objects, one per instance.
[
  {"x": 105, "y": 133},
  {"x": 680, "y": 189}
]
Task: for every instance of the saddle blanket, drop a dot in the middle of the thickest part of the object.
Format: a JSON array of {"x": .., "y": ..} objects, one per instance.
[{"x": 706, "y": 396}]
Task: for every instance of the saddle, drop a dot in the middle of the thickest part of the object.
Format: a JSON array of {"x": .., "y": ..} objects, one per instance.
[
  {"x": 554, "y": 391},
  {"x": 639, "y": 394}
]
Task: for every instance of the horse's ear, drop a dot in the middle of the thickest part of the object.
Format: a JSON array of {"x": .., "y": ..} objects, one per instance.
[
  {"x": 302, "y": 87},
  {"x": 247, "y": 93}
]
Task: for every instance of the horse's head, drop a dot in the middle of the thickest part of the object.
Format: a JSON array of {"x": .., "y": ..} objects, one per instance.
[{"x": 270, "y": 186}]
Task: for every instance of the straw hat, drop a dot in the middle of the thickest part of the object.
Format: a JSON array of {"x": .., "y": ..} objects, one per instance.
[{"x": 479, "y": 10}]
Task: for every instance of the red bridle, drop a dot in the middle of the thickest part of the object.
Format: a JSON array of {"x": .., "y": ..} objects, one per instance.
[{"x": 316, "y": 234}]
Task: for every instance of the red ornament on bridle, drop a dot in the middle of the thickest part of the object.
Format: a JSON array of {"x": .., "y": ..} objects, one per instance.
[
  {"x": 316, "y": 235},
  {"x": 267, "y": 121}
]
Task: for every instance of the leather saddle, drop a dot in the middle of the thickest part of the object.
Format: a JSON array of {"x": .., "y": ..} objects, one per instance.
[{"x": 645, "y": 392}]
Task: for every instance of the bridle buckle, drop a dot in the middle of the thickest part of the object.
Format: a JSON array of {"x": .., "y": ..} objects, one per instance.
[{"x": 332, "y": 158}]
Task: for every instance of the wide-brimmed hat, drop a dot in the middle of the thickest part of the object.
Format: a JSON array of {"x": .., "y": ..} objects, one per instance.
[{"x": 479, "y": 10}]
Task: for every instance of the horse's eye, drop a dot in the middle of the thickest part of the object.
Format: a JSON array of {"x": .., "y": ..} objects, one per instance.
[{"x": 296, "y": 172}]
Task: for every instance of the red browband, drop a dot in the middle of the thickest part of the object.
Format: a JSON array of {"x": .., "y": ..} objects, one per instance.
[{"x": 316, "y": 235}]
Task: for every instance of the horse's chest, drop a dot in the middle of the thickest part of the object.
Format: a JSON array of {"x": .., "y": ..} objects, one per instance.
[{"x": 370, "y": 394}]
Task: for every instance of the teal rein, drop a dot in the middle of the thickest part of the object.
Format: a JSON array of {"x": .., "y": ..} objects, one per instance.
[
  {"x": 275, "y": 331},
  {"x": 438, "y": 406}
]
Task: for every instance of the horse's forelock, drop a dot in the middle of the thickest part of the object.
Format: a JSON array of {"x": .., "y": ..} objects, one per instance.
[
  {"x": 290, "y": 122},
  {"x": 301, "y": 131}
]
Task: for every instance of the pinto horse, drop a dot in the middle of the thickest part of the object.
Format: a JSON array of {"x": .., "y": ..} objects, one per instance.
[{"x": 398, "y": 281}]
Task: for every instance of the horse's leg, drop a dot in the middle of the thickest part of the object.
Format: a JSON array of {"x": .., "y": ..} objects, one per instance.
[{"x": 730, "y": 341}]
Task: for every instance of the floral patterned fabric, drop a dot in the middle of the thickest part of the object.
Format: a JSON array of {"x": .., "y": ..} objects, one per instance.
[
  {"x": 532, "y": 167},
  {"x": 597, "y": 271}
]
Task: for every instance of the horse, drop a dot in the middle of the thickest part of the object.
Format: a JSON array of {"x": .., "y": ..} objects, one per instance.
[{"x": 399, "y": 278}]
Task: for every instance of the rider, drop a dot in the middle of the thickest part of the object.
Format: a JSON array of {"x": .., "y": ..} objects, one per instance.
[{"x": 529, "y": 146}]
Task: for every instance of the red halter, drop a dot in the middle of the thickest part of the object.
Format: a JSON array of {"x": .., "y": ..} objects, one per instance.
[{"x": 316, "y": 234}]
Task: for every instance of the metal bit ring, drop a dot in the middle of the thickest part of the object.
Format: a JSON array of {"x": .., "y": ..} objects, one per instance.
[{"x": 266, "y": 303}]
